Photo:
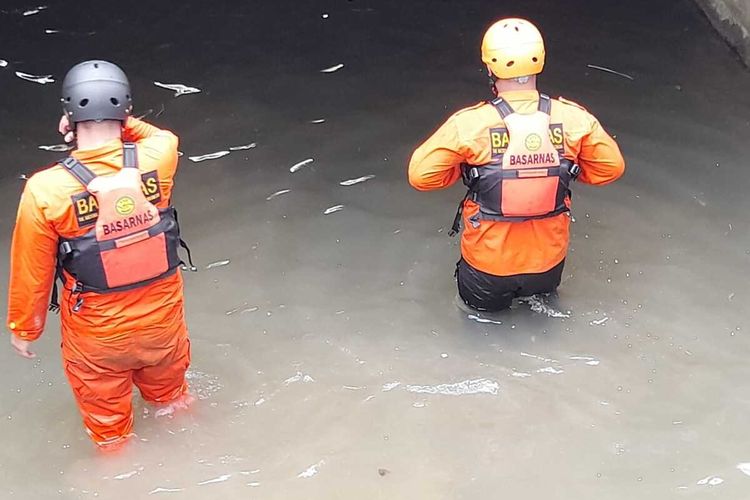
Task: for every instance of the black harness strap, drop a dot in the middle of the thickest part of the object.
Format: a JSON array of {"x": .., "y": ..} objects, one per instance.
[
  {"x": 78, "y": 170},
  {"x": 545, "y": 104},
  {"x": 129, "y": 155},
  {"x": 502, "y": 107}
]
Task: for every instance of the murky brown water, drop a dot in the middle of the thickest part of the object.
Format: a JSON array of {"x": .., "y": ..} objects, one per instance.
[{"x": 329, "y": 357}]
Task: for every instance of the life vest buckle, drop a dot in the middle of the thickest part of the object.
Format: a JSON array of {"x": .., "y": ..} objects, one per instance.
[{"x": 575, "y": 171}]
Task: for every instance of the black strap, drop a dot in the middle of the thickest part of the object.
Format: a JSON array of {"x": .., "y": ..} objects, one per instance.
[
  {"x": 78, "y": 170},
  {"x": 456, "y": 227},
  {"x": 545, "y": 103},
  {"x": 129, "y": 155},
  {"x": 502, "y": 107}
]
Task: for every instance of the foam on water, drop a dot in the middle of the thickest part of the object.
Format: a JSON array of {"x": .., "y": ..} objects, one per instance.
[
  {"x": 203, "y": 384},
  {"x": 537, "y": 305},
  {"x": 465, "y": 387},
  {"x": 311, "y": 471}
]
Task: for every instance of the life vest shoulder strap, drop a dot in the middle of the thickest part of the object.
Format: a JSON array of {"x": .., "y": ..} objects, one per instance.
[
  {"x": 545, "y": 104},
  {"x": 129, "y": 155},
  {"x": 502, "y": 107},
  {"x": 78, "y": 170}
]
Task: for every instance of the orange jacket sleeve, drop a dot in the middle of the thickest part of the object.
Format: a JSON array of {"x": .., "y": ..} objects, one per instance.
[
  {"x": 599, "y": 156},
  {"x": 33, "y": 256},
  {"x": 436, "y": 163}
]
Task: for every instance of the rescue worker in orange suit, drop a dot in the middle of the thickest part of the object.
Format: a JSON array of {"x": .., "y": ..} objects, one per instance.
[
  {"x": 101, "y": 222},
  {"x": 518, "y": 155}
]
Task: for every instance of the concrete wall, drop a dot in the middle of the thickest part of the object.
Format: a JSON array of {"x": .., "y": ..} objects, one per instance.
[{"x": 732, "y": 19}]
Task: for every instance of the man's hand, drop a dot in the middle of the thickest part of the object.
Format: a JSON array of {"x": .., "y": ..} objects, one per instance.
[
  {"x": 21, "y": 347},
  {"x": 64, "y": 129}
]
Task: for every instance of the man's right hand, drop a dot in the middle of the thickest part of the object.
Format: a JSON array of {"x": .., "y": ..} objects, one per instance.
[
  {"x": 64, "y": 129},
  {"x": 21, "y": 347}
]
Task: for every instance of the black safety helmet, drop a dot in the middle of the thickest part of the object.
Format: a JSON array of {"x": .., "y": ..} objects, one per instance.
[{"x": 96, "y": 90}]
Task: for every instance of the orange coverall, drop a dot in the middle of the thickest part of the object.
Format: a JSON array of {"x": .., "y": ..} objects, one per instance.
[
  {"x": 116, "y": 339},
  {"x": 509, "y": 248}
]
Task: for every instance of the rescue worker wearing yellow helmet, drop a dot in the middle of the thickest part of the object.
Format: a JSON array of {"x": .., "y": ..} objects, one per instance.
[{"x": 518, "y": 154}]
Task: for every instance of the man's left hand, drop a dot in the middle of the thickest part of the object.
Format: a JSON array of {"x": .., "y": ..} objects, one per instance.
[{"x": 22, "y": 347}]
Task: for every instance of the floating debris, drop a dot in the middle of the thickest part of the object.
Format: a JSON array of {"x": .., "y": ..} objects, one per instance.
[
  {"x": 479, "y": 319},
  {"x": 32, "y": 12},
  {"x": 219, "y": 479},
  {"x": 57, "y": 148},
  {"x": 608, "y": 70},
  {"x": 278, "y": 193},
  {"x": 599, "y": 322},
  {"x": 51, "y": 32},
  {"x": 390, "y": 386},
  {"x": 126, "y": 475},
  {"x": 332, "y": 69},
  {"x": 249, "y": 310},
  {"x": 179, "y": 89},
  {"x": 358, "y": 180},
  {"x": 744, "y": 468},
  {"x": 241, "y": 148},
  {"x": 301, "y": 164},
  {"x": 540, "y": 358},
  {"x": 299, "y": 376},
  {"x": 475, "y": 386},
  {"x": 310, "y": 471},
  {"x": 333, "y": 209},
  {"x": 520, "y": 374},
  {"x": 324, "y": 16},
  {"x": 589, "y": 360},
  {"x": 711, "y": 481},
  {"x": 318, "y": 121},
  {"x": 383, "y": 472},
  {"x": 41, "y": 80},
  {"x": 218, "y": 263},
  {"x": 3, "y": 63},
  {"x": 165, "y": 490},
  {"x": 550, "y": 370},
  {"x": 210, "y": 156}
]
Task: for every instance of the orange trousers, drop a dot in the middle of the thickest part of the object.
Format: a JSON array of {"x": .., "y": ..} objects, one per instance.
[{"x": 103, "y": 370}]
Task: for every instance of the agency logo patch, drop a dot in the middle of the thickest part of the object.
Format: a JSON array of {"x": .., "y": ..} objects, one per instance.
[
  {"x": 533, "y": 142},
  {"x": 125, "y": 205},
  {"x": 86, "y": 207}
]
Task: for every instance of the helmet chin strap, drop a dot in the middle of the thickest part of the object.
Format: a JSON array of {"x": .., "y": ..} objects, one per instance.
[{"x": 493, "y": 80}]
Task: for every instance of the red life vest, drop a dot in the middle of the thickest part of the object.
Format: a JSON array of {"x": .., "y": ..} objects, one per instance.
[
  {"x": 529, "y": 180},
  {"x": 133, "y": 242}
]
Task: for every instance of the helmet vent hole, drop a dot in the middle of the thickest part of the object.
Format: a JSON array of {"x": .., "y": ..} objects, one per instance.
[
  {"x": 510, "y": 63},
  {"x": 516, "y": 28},
  {"x": 67, "y": 99},
  {"x": 96, "y": 65},
  {"x": 114, "y": 101},
  {"x": 534, "y": 59},
  {"x": 83, "y": 103},
  {"x": 494, "y": 59},
  {"x": 127, "y": 96}
]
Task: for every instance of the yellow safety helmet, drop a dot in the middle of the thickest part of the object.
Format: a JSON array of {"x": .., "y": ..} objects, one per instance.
[{"x": 513, "y": 47}]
